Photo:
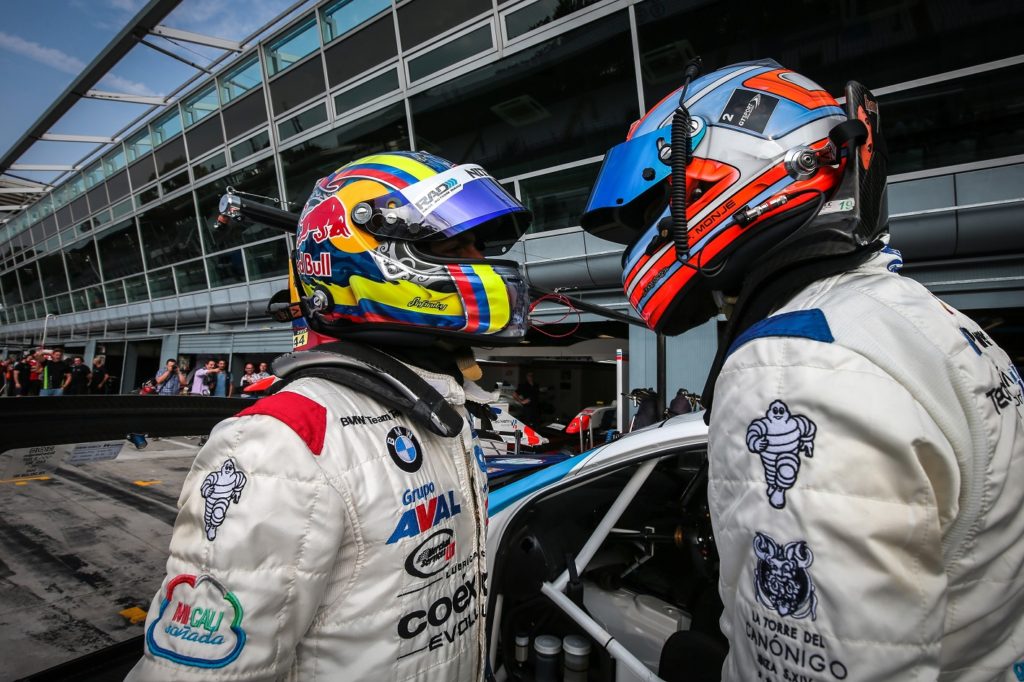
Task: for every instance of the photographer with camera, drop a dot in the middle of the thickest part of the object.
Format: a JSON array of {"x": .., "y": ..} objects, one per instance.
[{"x": 171, "y": 379}]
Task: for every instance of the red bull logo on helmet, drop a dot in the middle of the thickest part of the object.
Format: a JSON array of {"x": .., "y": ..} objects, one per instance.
[
  {"x": 321, "y": 267},
  {"x": 324, "y": 221}
]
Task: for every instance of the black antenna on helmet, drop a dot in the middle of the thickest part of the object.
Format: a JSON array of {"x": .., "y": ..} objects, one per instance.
[{"x": 681, "y": 157}]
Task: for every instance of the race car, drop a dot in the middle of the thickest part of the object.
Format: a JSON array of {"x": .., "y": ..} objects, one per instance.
[
  {"x": 613, "y": 550},
  {"x": 592, "y": 424}
]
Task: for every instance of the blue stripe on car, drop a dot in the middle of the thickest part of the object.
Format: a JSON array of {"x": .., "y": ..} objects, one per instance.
[{"x": 513, "y": 492}]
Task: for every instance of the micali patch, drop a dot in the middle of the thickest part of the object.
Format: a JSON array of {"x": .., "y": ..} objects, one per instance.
[
  {"x": 404, "y": 449},
  {"x": 782, "y": 582},
  {"x": 781, "y": 439},
  {"x": 199, "y": 624},
  {"x": 749, "y": 110},
  {"x": 220, "y": 489}
]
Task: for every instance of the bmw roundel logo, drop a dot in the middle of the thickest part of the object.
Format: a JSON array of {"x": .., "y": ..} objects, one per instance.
[{"x": 404, "y": 449}]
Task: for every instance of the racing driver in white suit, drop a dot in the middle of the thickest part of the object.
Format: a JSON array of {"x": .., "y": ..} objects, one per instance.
[
  {"x": 866, "y": 440},
  {"x": 335, "y": 530}
]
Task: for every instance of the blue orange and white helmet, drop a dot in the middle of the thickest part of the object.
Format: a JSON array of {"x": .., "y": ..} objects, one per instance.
[
  {"x": 363, "y": 263},
  {"x": 761, "y": 165}
]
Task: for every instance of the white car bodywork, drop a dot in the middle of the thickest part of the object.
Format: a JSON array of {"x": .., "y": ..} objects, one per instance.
[{"x": 630, "y": 626}]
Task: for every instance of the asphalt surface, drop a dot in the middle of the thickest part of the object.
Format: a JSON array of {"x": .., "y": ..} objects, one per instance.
[{"x": 82, "y": 551}]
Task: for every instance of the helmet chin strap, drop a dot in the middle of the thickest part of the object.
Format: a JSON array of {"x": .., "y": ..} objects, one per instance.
[{"x": 681, "y": 157}]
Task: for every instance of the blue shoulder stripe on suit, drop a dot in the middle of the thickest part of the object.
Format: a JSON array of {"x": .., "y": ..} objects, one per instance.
[{"x": 805, "y": 324}]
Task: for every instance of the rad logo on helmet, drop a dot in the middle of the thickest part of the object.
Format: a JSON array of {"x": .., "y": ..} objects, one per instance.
[{"x": 437, "y": 195}]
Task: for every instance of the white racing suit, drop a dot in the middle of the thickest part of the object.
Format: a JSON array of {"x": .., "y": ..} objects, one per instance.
[
  {"x": 324, "y": 536},
  {"x": 866, "y": 485}
]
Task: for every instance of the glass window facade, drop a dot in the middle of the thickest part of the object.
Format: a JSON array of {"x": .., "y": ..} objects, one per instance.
[
  {"x": 28, "y": 278},
  {"x": 240, "y": 80},
  {"x": 550, "y": 105},
  {"x": 249, "y": 147},
  {"x": 170, "y": 156},
  {"x": 455, "y": 51},
  {"x": 304, "y": 164},
  {"x": 52, "y": 270},
  {"x": 338, "y": 18},
  {"x": 565, "y": 99},
  {"x": 138, "y": 145},
  {"x": 258, "y": 178},
  {"x": 83, "y": 264},
  {"x": 9, "y": 285},
  {"x": 245, "y": 114},
  {"x": 539, "y": 13},
  {"x": 421, "y": 20},
  {"x": 959, "y": 121},
  {"x": 200, "y": 105},
  {"x": 211, "y": 165},
  {"x": 161, "y": 283},
  {"x": 557, "y": 199},
  {"x": 310, "y": 118},
  {"x": 291, "y": 47},
  {"x": 166, "y": 127},
  {"x": 226, "y": 269},
  {"x": 269, "y": 259},
  {"x": 170, "y": 232},
  {"x": 114, "y": 293},
  {"x": 135, "y": 289},
  {"x": 204, "y": 137},
  {"x": 119, "y": 250},
  {"x": 359, "y": 52},
  {"x": 95, "y": 297},
  {"x": 190, "y": 276},
  {"x": 297, "y": 86},
  {"x": 113, "y": 162},
  {"x": 878, "y": 44},
  {"x": 378, "y": 86}
]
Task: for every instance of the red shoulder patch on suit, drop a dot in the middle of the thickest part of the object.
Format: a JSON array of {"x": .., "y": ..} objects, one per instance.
[{"x": 306, "y": 417}]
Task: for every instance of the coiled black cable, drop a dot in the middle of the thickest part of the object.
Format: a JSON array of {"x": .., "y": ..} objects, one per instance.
[{"x": 681, "y": 157}]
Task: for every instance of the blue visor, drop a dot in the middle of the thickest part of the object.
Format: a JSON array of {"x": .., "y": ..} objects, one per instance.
[
  {"x": 462, "y": 198},
  {"x": 630, "y": 171}
]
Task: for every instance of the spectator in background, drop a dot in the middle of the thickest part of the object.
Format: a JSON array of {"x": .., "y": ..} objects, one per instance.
[
  {"x": 528, "y": 394},
  {"x": 224, "y": 387},
  {"x": 170, "y": 380},
  {"x": 264, "y": 371},
  {"x": 34, "y": 383},
  {"x": 204, "y": 377},
  {"x": 22, "y": 374},
  {"x": 249, "y": 377},
  {"x": 53, "y": 373},
  {"x": 7, "y": 375},
  {"x": 78, "y": 377},
  {"x": 98, "y": 377}
]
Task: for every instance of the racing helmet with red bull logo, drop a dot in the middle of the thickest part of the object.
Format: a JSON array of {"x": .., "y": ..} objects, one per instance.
[
  {"x": 775, "y": 172},
  {"x": 364, "y": 264}
]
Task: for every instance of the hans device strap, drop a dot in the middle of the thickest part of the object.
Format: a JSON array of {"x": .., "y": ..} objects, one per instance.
[{"x": 377, "y": 375}]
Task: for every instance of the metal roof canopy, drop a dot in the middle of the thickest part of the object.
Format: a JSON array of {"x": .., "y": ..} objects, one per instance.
[{"x": 148, "y": 18}]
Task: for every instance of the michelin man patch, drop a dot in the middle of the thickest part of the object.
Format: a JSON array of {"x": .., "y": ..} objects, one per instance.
[
  {"x": 781, "y": 438},
  {"x": 781, "y": 580},
  {"x": 199, "y": 623},
  {"x": 220, "y": 489}
]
